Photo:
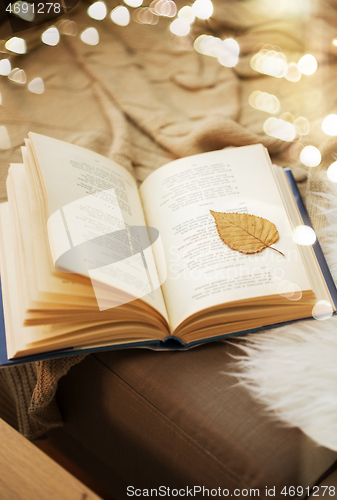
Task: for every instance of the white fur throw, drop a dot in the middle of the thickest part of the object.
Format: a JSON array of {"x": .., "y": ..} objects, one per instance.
[{"x": 293, "y": 369}]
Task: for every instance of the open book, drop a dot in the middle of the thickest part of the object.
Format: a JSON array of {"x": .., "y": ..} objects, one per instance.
[{"x": 90, "y": 261}]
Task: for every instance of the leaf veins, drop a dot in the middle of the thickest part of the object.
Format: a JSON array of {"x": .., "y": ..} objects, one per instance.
[{"x": 245, "y": 233}]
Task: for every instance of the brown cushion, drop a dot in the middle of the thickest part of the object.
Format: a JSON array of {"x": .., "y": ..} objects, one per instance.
[{"x": 175, "y": 419}]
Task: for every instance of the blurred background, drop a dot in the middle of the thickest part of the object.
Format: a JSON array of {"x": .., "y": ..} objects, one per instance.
[{"x": 145, "y": 82}]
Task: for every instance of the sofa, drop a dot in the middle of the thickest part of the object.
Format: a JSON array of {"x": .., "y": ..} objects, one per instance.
[{"x": 144, "y": 419}]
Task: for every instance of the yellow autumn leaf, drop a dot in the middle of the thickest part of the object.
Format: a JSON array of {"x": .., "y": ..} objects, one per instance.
[{"x": 244, "y": 232}]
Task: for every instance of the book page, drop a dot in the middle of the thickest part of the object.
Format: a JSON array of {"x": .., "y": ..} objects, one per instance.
[
  {"x": 87, "y": 198},
  {"x": 26, "y": 340},
  {"x": 202, "y": 271},
  {"x": 32, "y": 254}
]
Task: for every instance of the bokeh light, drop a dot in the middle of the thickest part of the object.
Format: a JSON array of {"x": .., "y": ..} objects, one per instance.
[
  {"x": 310, "y": 156},
  {"x": 67, "y": 27},
  {"x": 264, "y": 102},
  {"x": 17, "y": 45},
  {"x": 133, "y": 3},
  {"x": 5, "y": 67},
  {"x": 332, "y": 172},
  {"x": 97, "y": 11},
  {"x": 208, "y": 45},
  {"x": 322, "y": 310},
  {"x": 307, "y": 64},
  {"x": 226, "y": 51},
  {"x": 280, "y": 129},
  {"x": 90, "y": 36},
  {"x": 329, "y": 125},
  {"x": 187, "y": 13},
  {"x": 145, "y": 16},
  {"x": 166, "y": 8},
  {"x": 36, "y": 86},
  {"x": 51, "y": 36},
  {"x": 289, "y": 290},
  {"x": 18, "y": 75},
  {"x": 120, "y": 15},
  {"x": 180, "y": 26},
  {"x": 304, "y": 235},
  {"x": 203, "y": 9},
  {"x": 293, "y": 73},
  {"x": 302, "y": 126},
  {"x": 25, "y": 11},
  {"x": 270, "y": 62},
  {"x": 229, "y": 53},
  {"x": 197, "y": 45}
]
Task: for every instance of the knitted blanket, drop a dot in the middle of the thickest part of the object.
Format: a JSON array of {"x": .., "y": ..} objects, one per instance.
[{"x": 142, "y": 97}]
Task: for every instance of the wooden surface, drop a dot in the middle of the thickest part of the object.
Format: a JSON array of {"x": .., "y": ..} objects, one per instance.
[{"x": 26, "y": 473}]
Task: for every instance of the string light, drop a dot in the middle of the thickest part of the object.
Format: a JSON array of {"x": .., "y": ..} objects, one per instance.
[
  {"x": 165, "y": 8},
  {"x": 302, "y": 125},
  {"x": 307, "y": 64},
  {"x": 97, "y": 11},
  {"x": 229, "y": 53},
  {"x": 264, "y": 102},
  {"x": 322, "y": 310},
  {"x": 289, "y": 290},
  {"x": 67, "y": 27},
  {"x": 180, "y": 26},
  {"x": 18, "y": 75},
  {"x": 51, "y": 36},
  {"x": 155, "y": 6},
  {"x": 274, "y": 63},
  {"x": 293, "y": 73},
  {"x": 24, "y": 11},
  {"x": 120, "y": 15},
  {"x": 310, "y": 156},
  {"x": 17, "y": 45},
  {"x": 169, "y": 9},
  {"x": 288, "y": 117},
  {"x": 208, "y": 45},
  {"x": 304, "y": 235},
  {"x": 267, "y": 61},
  {"x": 187, "y": 13},
  {"x": 36, "y": 86},
  {"x": 270, "y": 62},
  {"x": 329, "y": 125},
  {"x": 226, "y": 51},
  {"x": 145, "y": 16},
  {"x": 197, "y": 43},
  {"x": 332, "y": 172},
  {"x": 280, "y": 129},
  {"x": 203, "y": 9},
  {"x": 133, "y": 3},
  {"x": 5, "y": 67},
  {"x": 90, "y": 36}
]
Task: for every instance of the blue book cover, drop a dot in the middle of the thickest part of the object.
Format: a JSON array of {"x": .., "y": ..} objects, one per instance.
[{"x": 173, "y": 343}]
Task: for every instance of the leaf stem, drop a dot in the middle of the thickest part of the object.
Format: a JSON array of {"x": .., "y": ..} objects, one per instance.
[{"x": 278, "y": 251}]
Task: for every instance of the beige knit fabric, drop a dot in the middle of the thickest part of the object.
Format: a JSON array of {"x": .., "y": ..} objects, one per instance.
[{"x": 142, "y": 100}]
